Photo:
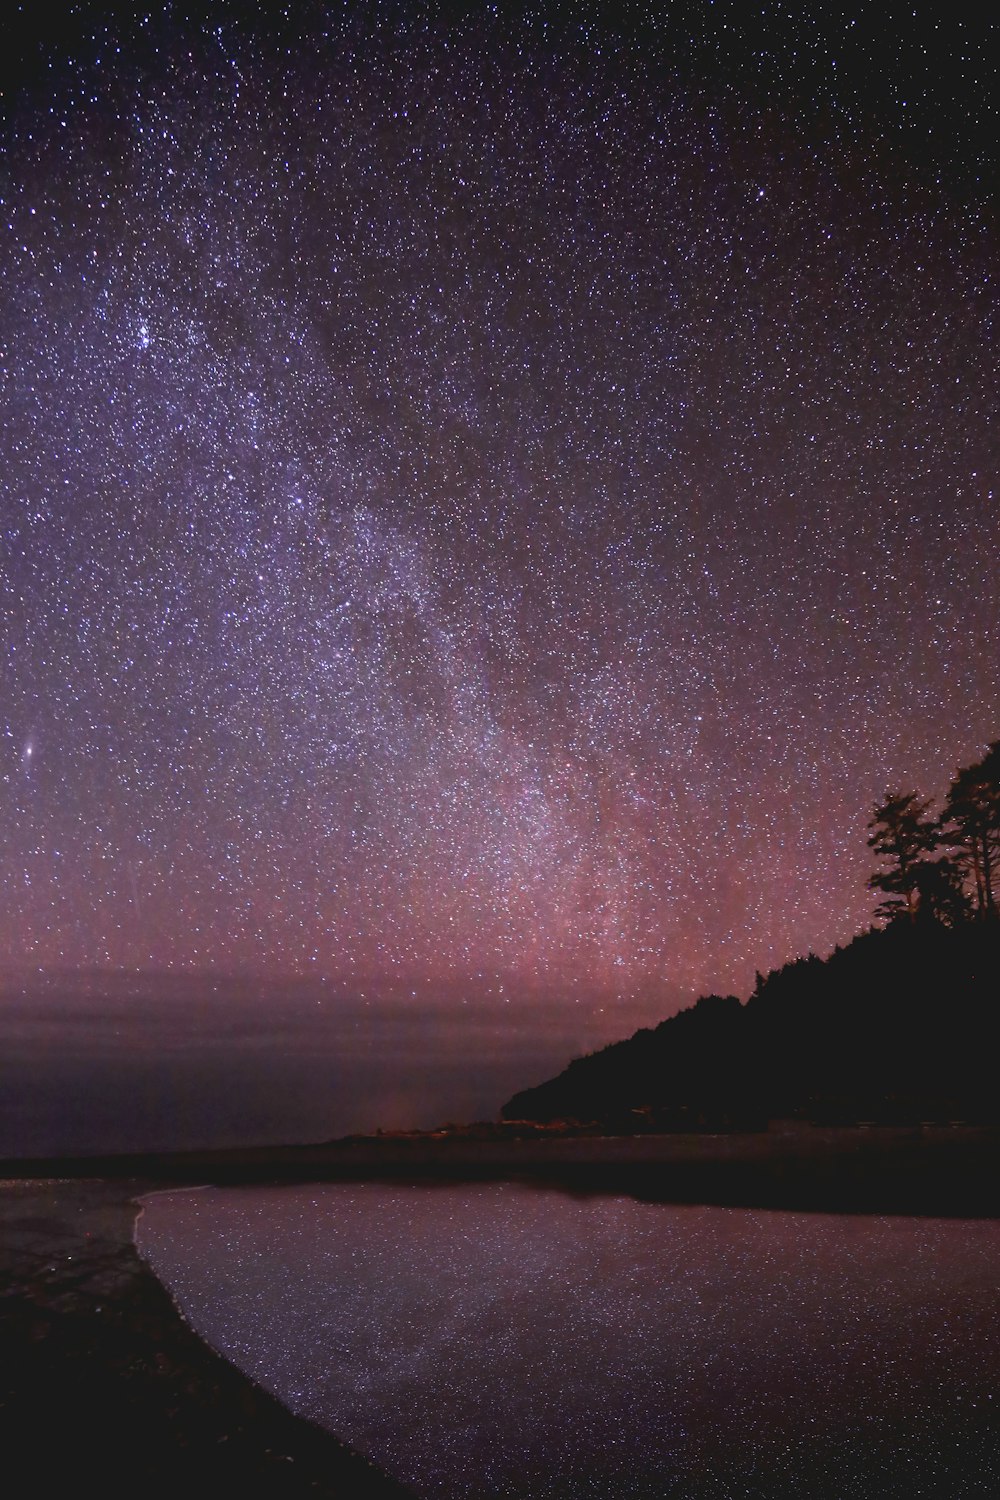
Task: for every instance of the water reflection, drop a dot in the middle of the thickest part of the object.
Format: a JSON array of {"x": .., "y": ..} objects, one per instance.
[{"x": 502, "y": 1340}]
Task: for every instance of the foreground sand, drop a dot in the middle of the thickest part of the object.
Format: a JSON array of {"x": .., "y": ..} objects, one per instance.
[
  {"x": 103, "y": 1384},
  {"x": 105, "y": 1390}
]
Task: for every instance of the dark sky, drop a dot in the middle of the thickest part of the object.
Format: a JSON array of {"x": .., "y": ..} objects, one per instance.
[{"x": 488, "y": 495}]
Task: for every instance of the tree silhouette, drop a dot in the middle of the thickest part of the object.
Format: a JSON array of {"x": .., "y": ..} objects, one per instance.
[
  {"x": 971, "y": 821},
  {"x": 941, "y": 894},
  {"x": 899, "y": 1026},
  {"x": 903, "y": 834}
]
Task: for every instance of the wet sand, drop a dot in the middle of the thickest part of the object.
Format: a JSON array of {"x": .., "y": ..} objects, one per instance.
[
  {"x": 104, "y": 1389},
  {"x": 102, "y": 1381}
]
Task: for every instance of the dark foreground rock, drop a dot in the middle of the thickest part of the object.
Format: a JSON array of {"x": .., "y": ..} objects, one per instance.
[{"x": 105, "y": 1390}]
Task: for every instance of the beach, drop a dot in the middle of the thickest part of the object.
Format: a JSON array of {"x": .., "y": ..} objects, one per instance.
[
  {"x": 104, "y": 1387},
  {"x": 103, "y": 1381}
]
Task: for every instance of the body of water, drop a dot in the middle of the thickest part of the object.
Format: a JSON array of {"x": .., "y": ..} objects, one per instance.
[
  {"x": 494, "y": 1340},
  {"x": 126, "y": 1062}
]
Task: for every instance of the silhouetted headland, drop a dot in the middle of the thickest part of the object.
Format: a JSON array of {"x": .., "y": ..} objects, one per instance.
[
  {"x": 863, "y": 1082},
  {"x": 897, "y": 1028}
]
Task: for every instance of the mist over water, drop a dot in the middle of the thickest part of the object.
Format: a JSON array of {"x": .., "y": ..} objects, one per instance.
[
  {"x": 138, "y": 1062},
  {"x": 503, "y": 1340}
]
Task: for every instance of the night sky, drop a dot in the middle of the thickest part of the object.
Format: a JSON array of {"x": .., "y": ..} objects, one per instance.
[{"x": 488, "y": 496}]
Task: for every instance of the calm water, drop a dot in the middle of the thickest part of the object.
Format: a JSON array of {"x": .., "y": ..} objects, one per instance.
[{"x": 502, "y": 1340}]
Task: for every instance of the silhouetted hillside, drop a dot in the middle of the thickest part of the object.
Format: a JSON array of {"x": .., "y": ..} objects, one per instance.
[{"x": 901, "y": 1025}]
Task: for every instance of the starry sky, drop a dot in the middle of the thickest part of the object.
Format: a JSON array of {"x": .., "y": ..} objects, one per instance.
[{"x": 487, "y": 495}]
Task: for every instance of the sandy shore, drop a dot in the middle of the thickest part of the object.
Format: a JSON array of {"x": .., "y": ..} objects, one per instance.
[
  {"x": 105, "y": 1389},
  {"x": 102, "y": 1381}
]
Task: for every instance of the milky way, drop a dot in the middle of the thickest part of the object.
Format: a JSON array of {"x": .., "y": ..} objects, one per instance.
[{"x": 486, "y": 496}]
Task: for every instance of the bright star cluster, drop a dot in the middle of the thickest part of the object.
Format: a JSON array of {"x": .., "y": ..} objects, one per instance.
[{"x": 487, "y": 494}]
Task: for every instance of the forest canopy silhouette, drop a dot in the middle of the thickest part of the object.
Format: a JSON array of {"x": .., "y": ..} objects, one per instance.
[{"x": 897, "y": 1027}]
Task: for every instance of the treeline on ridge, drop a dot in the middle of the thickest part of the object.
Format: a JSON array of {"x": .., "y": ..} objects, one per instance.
[{"x": 897, "y": 1027}]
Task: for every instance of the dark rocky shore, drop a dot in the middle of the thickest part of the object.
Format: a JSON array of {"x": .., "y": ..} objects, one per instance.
[{"x": 105, "y": 1390}]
